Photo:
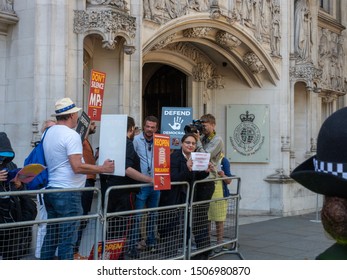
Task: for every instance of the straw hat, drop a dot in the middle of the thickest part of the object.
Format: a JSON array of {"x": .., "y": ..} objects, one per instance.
[{"x": 65, "y": 106}]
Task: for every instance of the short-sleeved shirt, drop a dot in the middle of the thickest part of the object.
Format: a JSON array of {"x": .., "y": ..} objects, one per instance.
[{"x": 61, "y": 142}]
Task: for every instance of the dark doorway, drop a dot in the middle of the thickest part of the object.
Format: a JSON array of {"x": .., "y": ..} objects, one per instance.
[{"x": 166, "y": 87}]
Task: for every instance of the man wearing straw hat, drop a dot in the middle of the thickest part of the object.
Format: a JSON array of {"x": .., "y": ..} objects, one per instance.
[
  {"x": 326, "y": 173},
  {"x": 66, "y": 170}
]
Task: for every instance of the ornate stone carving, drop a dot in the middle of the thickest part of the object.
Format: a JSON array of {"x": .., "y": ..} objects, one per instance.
[
  {"x": 216, "y": 82},
  {"x": 262, "y": 17},
  {"x": 188, "y": 51},
  {"x": 206, "y": 72},
  {"x": 203, "y": 72},
  {"x": 215, "y": 12},
  {"x": 253, "y": 62},
  {"x": 328, "y": 97},
  {"x": 197, "y": 32},
  {"x": 163, "y": 11},
  {"x": 6, "y": 6},
  {"x": 331, "y": 60},
  {"x": 109, "y": 44},
  {"x": 340, "y": 65},
  {"x": 7, "y": 15},
  {"x": 285, "y": 141},
  {"x": 119, "y": 4},
  {"x": 164, "y": 42},
  {"x": 307, "y": 73},
  {"x": 227, "y": 40},
  {"x": 129, "y": 49},
  {"x": 107, "y": 21}
]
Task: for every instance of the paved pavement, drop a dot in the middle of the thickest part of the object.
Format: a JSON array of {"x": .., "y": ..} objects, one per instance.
[{"x": 286, "y": 238}]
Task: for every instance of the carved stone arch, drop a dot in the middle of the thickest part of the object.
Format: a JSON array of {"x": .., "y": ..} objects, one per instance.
[
  {"x": 172, "y": 59},
  {"x": 241, "y": 69},
  {"x": 244, "y": 57}
]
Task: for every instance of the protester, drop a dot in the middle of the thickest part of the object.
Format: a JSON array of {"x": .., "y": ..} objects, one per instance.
[
  {"x": 325, "y": 173},
  {"x": 87, "y": 196},
  {"x": 14, "y": 241},
  {"x": 218, "y": 209},
  {"x": 66, "y": 169},
  {"x": 143, "y": 145},
  {"x": 123, "y": 199},
  {"x": 208, "y": 142},
  {"x": 169, "y": 225}
]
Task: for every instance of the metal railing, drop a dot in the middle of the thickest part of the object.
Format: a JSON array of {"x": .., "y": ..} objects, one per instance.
[{"x": 111, "y": 235}]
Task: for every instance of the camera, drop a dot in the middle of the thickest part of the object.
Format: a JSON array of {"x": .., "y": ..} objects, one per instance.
[{"x": 194, "y": 127}]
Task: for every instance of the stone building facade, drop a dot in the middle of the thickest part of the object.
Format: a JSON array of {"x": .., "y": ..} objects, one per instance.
[{"x": 288, "y": 57}]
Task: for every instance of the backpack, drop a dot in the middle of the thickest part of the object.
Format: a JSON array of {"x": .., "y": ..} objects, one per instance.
[{"x": 37, "y": 156}]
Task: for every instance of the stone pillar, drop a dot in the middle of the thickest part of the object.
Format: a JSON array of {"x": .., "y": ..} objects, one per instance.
[
  {"x": 7, "y": 18},
  {"x": 134, "y": 57}
]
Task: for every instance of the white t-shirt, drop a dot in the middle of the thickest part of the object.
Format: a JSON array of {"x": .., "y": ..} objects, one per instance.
[{"x": 60, "y": 142}]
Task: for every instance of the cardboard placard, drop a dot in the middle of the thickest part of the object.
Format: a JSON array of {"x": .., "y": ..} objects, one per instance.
[
  {"x": 96, "y": 94},
  {"x": 113, "y": 135},
  {"x": 161, "y": 161}
]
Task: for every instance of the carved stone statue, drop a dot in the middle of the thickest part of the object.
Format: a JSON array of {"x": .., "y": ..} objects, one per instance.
[
  {"x": 121, "y": 4},
  {"x": 275, "y": 30},
  {"x": 302, "y": 30},
  {"x": 161, "y": 11},
  {"x": 245, "y": 12},
  {"x": 6, "y": 5},
  {"x": 341, "y": 63},
  {"x": 324, "y": 57}
]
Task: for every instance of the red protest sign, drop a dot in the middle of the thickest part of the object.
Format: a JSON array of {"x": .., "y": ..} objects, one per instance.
[
  {"x": 161, "y": 161},
  {"x": 96, "y": 94}
]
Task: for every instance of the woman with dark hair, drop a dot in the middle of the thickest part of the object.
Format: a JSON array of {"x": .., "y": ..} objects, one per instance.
[{"x": 180, "y": 170}]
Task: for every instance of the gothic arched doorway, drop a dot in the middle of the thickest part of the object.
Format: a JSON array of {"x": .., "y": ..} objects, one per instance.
[{"x": 164, "y": 86}]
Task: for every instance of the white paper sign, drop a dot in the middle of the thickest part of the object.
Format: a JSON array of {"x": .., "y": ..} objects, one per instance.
[
  {"x": 113, "y": 134},
  {"x": 200, "y": 161}
]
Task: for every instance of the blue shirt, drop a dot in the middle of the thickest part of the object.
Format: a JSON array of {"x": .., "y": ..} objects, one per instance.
[{"x": 144, "y": 149}]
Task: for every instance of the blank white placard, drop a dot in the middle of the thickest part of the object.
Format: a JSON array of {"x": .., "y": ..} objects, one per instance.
[{"x": 113, "y": 134}]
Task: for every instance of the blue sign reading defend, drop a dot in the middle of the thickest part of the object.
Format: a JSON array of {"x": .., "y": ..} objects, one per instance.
[{"x": 173, "y": 121}]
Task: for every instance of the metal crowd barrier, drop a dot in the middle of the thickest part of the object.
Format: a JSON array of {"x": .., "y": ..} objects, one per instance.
[
  {"x": 22, "y": 240},
  {"x": 213, "y": 223},
  {"x": 182, "y": 231},
  {"x": 120, "y": 227}
]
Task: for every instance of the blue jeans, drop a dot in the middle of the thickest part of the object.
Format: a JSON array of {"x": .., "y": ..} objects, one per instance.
[
  {"x": 150, "y": 198},
  {"x": 62, "y": 234},
  {"x": 87, "y": 200}
]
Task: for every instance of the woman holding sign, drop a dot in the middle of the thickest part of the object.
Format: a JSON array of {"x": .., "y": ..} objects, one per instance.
[{"x": 181, "y": 170}]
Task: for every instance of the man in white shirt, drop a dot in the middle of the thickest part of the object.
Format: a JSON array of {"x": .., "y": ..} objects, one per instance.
[{"x": 66, "y": 170}]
